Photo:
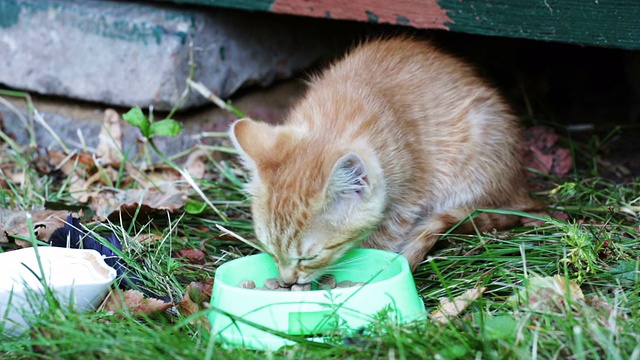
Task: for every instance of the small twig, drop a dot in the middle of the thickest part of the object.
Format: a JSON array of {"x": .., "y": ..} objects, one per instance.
[
  {"x": 38, "y": 118},
  {"x": 21, "y": 117},
  {"x": 202, "y": 90},
  {"x": 185, "y": 92},
  {"x": 226, "y": 231},
  {"x": 218, "y": 134}
]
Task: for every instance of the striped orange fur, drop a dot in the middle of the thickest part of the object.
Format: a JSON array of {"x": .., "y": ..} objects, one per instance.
[{"x": 398, "y": 138}]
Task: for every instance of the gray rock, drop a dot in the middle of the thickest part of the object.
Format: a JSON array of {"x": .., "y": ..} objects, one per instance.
[
  {"x": 70, "y": 120},
  {"x": 136, "y": 54},
  {"x": 82, "y": 133}
]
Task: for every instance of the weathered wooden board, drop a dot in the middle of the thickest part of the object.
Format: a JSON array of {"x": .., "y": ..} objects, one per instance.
[{"x": 607, "y": 23}]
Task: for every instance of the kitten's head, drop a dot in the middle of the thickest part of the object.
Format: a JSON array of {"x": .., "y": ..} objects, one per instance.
[{"x": 310, "y": 198}]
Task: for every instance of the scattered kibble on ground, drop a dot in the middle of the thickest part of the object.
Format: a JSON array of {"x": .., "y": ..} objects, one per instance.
[{"x": 326, "y": 282}]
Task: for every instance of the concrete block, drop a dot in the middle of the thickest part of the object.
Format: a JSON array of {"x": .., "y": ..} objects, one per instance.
[
  {"x": 79, "y": 124},
  {"x": 136, "y": 54}
]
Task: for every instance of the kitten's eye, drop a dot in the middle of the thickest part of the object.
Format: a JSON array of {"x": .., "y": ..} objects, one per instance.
[{"x": 309, "y": 258}]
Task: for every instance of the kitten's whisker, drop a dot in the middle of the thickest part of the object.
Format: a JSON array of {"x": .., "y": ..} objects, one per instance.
[
  {"x": 355, "y": 260},
  {"x": 226, "y": 231}
]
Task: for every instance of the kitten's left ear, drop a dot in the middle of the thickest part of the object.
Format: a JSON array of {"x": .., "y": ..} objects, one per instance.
[
  {"x": 252, "y": 139},
  {"x": 349, "y": 177}
]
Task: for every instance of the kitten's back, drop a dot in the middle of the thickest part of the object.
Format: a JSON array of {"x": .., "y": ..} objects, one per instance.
[{"x": 437, "y": 128}]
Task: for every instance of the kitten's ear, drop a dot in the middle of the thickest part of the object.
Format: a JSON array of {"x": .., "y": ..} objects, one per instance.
[
  {"x": 349, "y": 177},
  {"x": 251, "y": 139}
]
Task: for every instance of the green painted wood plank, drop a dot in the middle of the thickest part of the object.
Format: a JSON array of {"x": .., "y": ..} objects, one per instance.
[
  {"x": 261, "y": 5},
  {"x": 606, "y": 23}
]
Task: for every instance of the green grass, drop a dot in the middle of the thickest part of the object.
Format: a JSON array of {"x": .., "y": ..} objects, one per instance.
[{"x": 598, "y": 247}]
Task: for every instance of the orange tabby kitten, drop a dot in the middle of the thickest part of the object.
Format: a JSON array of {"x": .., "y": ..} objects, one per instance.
[{"x": 398, "y": 138}]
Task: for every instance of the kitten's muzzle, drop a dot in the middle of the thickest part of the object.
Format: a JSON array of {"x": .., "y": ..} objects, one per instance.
[{"x": 287, "y": 277}]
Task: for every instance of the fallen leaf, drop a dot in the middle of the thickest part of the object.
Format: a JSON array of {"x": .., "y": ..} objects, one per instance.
[
  {"x": 110, "y": 202},
  {"x": 598, "y": 303},
  {"x": 544, "y": 153},
  {"x": 159, "y": 174},
  {"x": 79, "y": 163},
  {"x": 449, "y": 309},
  {"x": 15, "y": 177},
  {"x": 45, "y": 222},
  {"x": 78, "y": 188},
  {"x": 147, "y": 238},
  {"x": 548, "y": 292},
  {"x": 154, "y": 177},
  {"x": 77, "y": 167},
  {"x": 110, "y": 139},
  {"x": 134, "y": 302},
  {"x": 194, "y": 256},
  {"x": 574, "y": 289},
  {"x": 195, "y": 298},
  {"x": 195, "y": 163}
]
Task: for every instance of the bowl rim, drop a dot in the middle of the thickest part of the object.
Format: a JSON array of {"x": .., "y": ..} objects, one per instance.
[{"x": 391, "y": 256}]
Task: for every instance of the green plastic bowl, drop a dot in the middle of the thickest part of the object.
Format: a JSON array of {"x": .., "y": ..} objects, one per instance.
[{"x": 389, "y": 285}]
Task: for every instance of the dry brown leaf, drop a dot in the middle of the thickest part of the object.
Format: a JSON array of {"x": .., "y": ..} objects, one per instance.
[
  {"x": 15, "y": 177},
  {"x": 147, "y": 238},
  {"x": 548, "y": 292},
  {"x": 551, "y": 292},
  {"x": 157, "y": 176},
  {"x": 544, "y": 152},
  {"x": 196, "y": 169},
  {"x": 110, "y": 139},
  {"x": 134, "y": 302},
  {"x": 160, "y": 174},
  {"x": 109, "y": 203},
  {"x": 80, "y": 162},
  {"x": 160, "y": 177},
  {"x": 140, "y": 175},
  {"x": 598, "y": 303},
  {"x": 78, "y": 189},
  {"x": 194, "y": 256},
  {"x": 195, "y": 164},
  {"x": 574, "y": 289},
  {"x": 77, "y": 167},
  {"x": 195, "y": 298},
  {"x": 449, "y": 309},
  {"x": 82, "y": 190},
  {"x": 45, "y": 222}
]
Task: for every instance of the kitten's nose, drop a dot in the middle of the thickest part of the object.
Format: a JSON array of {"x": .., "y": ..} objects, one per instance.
[{"x": 288, "y": 277}]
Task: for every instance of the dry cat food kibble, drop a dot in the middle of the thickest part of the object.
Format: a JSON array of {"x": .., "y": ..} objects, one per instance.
[{"x": 326, "y": 282}]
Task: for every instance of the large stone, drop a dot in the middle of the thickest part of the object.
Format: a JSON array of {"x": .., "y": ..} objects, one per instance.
[
  {"x": 78, "y": 123},
  {"x": 136, "y": 54}
]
